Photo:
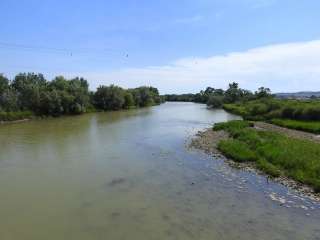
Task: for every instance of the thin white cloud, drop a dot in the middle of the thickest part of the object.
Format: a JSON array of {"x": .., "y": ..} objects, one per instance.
[
  {"x": 189, "y": 20},
  {"x": 282, "y": 67}
]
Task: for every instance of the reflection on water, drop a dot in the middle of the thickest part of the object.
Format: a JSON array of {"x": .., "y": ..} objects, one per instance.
[{"x": 128, "y": 175}]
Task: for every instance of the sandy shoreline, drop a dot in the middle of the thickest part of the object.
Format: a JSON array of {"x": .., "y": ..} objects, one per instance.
[{"x": 15, "y": 121}]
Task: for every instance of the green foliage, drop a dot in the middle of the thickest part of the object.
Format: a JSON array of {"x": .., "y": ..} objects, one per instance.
[
  {"x": 238, "y": 109},
  {"x": 4, "y": 83},
  {"x": 274, "y": 153},
  {"x": 269, "y": 108},
  {"x": 128, "y": 100},
  {"x": 268, "y": 168},
  {"x": 232, "y": 127},
  {"x": 109, "y": 98},
  {"x": 115, "y": 98},
  {"x": 9, "y": 100},
  {"x": 201, "y": 97},
  {"x": 215, "y": 101},
  {"x": 308, "y": 126},
  {"x": 189, "y": 97},
  {"x": 263, "y": 92},
  {"x": 32, "y": 92},
  {"x": 238, "y": 151},
  {"x": 215, "y": 98},
  {"x": 28, "y": 87},
  {"x": 233, "y": 93}
]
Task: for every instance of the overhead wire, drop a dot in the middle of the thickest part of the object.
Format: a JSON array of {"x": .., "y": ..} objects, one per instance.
[{"x": 66, "y": 51}]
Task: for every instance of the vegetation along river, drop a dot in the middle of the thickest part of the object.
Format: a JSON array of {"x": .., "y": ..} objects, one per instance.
[{"x": 129, "y": 175}]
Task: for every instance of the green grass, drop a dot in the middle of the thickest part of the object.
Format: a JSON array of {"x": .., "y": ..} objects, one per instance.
[
  {"x": 308, "y": 126},
  {"x": 271, "y": 108},
  {"x": 295, "y": 114},
  {"x": 238, "y": 109},
  {"x": 232, "y": 126},
  {"x": 274, "y": 153},
  {"x": 14, "y": 116},
  {"x": 237, "y": 150}
]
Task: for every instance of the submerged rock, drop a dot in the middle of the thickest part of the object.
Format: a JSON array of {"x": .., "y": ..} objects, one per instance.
[{"x": 116, "y": 181}]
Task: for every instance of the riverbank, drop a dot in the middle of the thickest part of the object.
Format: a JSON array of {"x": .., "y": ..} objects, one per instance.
[
  {"x": 19, "y": 117},
  {"x": 221, "y": 143},
  {"x": 301, "y": 115},
  {"x": 15, "y": 121},
  {"x": 288, "y": 132}
]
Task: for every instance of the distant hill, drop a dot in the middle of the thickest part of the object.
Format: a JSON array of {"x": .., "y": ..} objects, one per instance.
[{"x": 298, "y": 95}]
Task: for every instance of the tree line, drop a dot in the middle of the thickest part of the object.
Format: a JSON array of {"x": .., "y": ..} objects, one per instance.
[
  {"x": 32, "y": 94},
  {"x": 216, "y": 97}
]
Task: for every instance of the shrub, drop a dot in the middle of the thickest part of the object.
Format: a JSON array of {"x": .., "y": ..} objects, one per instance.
[
  {"x": 258, "y": 109},
  {"x": 288, "y": 112},
  {"x": 215, "y": 101}
]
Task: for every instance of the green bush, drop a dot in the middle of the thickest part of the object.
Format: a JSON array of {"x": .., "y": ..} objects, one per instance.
[
  {"x": 215, "y": 101},
  {"x": 236, "y": 109},
  {"x": 288, "y": 112},
  {"x": 258, "y": 109}
]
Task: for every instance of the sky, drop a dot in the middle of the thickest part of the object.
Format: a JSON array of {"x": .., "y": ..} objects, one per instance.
[{"x": 178, "y": 46}]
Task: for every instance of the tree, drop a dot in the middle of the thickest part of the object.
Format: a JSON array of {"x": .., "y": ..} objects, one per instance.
[
  {"x": 146, "y": 96},
  {"x": 233, "y": 93},
  {"x": 263, "y": 92},
  {"x": 33, "y": 93},
  {"x": 128, "y": 100},
  {"x": 109, "y": 98},
  {"x": 4, "y": 83},
  {"x": 9, "y": 100},
  {"x": 51, "y": 103},
  {"x": 215, "y": 101},
  {"x": 28, "y": 87},
  {"x": 59, "y": 83},
  {"x": 74, "y": 94}
]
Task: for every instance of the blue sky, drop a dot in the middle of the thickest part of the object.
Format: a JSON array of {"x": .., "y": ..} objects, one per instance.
[{"x": 177, "y": 46}]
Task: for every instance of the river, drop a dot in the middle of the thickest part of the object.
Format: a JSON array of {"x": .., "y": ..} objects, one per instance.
[{"x": 129, "y": 175}]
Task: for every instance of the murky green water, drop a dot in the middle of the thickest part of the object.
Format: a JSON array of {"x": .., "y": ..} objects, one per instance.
[{"x": 128, "y": 175}]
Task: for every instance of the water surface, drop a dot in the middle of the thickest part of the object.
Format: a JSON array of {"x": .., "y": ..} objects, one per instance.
[{"x": 129, "y": 175}]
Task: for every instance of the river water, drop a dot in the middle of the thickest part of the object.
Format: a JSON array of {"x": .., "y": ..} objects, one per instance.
[{"x": 129, "y": 175}]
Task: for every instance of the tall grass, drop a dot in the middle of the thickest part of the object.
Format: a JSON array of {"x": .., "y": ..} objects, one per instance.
[
  {"x": 308, "y": 126},
  {"x": 295, "y": 114},
  {"x": 270, "y": 108}
]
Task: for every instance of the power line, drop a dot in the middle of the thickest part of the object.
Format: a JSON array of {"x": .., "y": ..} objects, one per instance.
[
  {"x": 68, "y": 51},
  {"x": 27, "y": 47}
]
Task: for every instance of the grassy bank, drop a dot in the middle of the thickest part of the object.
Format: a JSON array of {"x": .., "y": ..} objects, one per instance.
[
  {"x": 273, "y": 153},
  {"x": 307, "y": 126},
  {"x": 271, "y": 108},
  {"x": 295, "y": 114}
]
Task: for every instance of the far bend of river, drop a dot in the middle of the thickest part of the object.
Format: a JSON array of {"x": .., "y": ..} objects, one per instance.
[{"x": 129, "y": 175}]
